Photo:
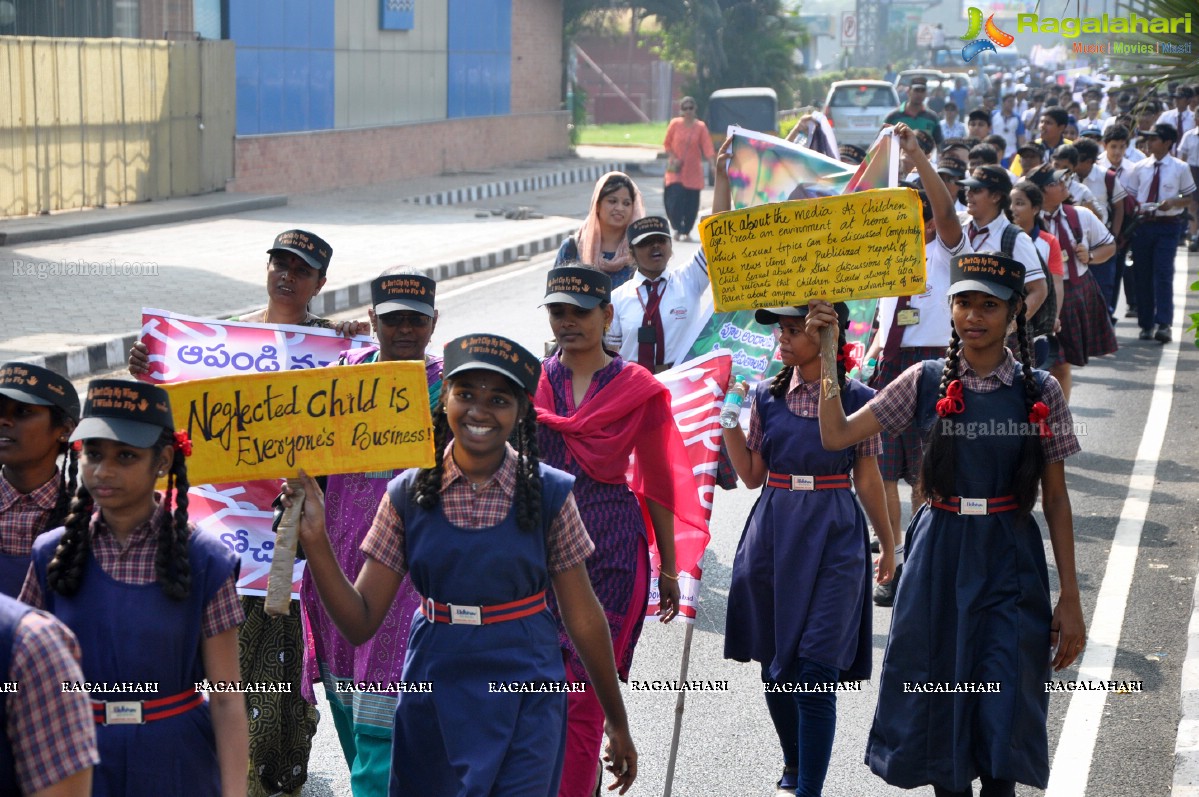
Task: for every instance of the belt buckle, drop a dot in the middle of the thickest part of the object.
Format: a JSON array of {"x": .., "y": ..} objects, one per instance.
[
  {"x": 429, "y": 606},
  {"x": 466, "y": 615},
  {"x": 128, "y": 712},
  {"x": 972, "y": 506},
  {"x": 803, "y": 482}
]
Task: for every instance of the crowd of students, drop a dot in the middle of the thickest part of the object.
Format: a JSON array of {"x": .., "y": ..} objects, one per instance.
[{"x": 522, "y": 555}]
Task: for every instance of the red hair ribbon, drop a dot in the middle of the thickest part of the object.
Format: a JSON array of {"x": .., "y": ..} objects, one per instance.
[
  {"x": 952, "y": 404},
  {"x": 77, "y": 446},
  {"x": 1039, "y": 416},
  {"x": 183, "y": 443},
  {"x": 845, "y": 356}
]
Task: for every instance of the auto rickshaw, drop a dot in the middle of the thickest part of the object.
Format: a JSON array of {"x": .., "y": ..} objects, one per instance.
[{"x": 754, "y": 108}]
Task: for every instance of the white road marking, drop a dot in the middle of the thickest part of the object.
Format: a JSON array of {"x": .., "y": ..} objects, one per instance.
[{"x": 1076, "y": 745}]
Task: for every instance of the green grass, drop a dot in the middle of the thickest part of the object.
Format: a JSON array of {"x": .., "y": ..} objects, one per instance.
[{"x": 648, "y": 135}]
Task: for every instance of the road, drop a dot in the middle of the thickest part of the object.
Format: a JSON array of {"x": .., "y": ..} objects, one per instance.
[{"x": 1137, "y": 416}]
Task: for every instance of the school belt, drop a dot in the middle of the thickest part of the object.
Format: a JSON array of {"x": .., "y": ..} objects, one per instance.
[
  {"x": 787, "y": 481},
  {"x": 139, "y": 712},
  {"x": 977, "y": 506},
  {"x": 457, "y": 614}
]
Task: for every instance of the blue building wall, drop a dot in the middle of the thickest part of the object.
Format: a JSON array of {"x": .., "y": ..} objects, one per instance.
[
  {"x": 480, "y": 57},
  {"x": 286, "y": 56}
]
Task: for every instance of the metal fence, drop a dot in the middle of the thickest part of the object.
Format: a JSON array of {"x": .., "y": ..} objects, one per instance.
[{"x": 98, "y": 122}]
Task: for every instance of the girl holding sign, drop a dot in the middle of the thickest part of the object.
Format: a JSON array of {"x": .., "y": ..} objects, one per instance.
[
  {"x": 973, "y": 636},
  {"x": 38, "y": 411},
  {"x": 151, "y": 602},
  {"x": 484, "y": 535},
  {"x": 799, "y": 600}
]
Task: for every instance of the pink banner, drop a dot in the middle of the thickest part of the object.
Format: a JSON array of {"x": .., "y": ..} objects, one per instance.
[
  {"x": 696, "y": 394},
  {"x": 183, "y": 348}
]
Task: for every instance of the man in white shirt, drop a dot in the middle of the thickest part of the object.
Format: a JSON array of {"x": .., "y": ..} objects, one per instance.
[
  {"x": 1180, "y": 115},
  {"x": 951, "y": 125},
  {"x": 1164, "y": 187},
  {"x": 656, "y": 313},
  {"x": 1086, "y": 328},
  {"x": 1115, "y": 157}
]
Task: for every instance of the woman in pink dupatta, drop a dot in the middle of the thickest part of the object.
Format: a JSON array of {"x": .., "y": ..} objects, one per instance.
[
  {"x": 601, "y": 242},
  {"x": 594, "y": 410}
]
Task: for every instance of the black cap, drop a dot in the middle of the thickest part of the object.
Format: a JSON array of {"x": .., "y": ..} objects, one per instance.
[
  {"x": 132, "y": 413},
  {"x": 32, "y": 384},
  {"x": 1046, "y": 175},
  {"x": 1183, "y": 92},
  {"x": 951, "y": 167},
  {"x": 1161, "y": 130},
  {"x": 577, "y": 285},
  {"x": 849, "y": 152},
  {"x": 771, "y": 315},
  {"x": 492, "y": 353},
  {"x": 393, "y": 292},
  {"x": 647, "y": 227},
  {"x": 1030, "y": 149},
  {"x": 990, "y": 272},
  {"x": 990, "y": 176},
  {"x": 312, "y": 249}
]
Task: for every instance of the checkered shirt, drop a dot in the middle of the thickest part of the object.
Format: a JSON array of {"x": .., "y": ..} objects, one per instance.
[
  {"x": 53, "y": 734},
  {"x": 23, "y": 517},
  {"x": 133, "y": 563},
  {"x": 895, "y": 405},
  {"x": 803, "y": 399},
  {"x": 567, "y": 540}
]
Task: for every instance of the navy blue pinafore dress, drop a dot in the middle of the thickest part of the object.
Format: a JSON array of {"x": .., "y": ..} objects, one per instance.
[
  {"x": 135, "y": 633},
  {"x": 973, "y": 607},
  {"x": 801, "y": 576},
  {"x": 462, "y": 739}
]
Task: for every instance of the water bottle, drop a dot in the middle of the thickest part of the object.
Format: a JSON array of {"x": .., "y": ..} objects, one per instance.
[{"x": 730, "y": 413}]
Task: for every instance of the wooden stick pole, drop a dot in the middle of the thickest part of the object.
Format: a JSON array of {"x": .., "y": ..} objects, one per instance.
[
  {"x": 283, "y": 557},
  {"x": 828, "y": 362},
  {"x": 678, "y": 711}
]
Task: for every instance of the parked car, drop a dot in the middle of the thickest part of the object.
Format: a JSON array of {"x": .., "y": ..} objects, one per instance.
[{"x": 856, "y": 109}]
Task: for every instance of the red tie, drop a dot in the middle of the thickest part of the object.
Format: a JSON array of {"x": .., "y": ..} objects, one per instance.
[
  {"x": 974, "y": 232},
  {"x": 653, "y": 354},
  {"x": 895, "y": 332},
  {"x": 1067, "y": 247},
  {"x": 1155, "y": 186}
]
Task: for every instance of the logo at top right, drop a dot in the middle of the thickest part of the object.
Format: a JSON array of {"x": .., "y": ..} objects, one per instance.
[{"x": 975, "y": 45}]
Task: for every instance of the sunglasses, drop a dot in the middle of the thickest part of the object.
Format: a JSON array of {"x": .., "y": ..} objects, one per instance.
[{"x": 688, "y": 107}]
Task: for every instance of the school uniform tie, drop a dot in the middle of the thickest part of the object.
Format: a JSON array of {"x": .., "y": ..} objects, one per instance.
[
  {"x": 895, "y": 331},
  {"x": 977, "y": 236},
  {"x": 1059, "y": 222},
  {"x": 1156, "y": 184},
  {"x": 652, "y": 354}
]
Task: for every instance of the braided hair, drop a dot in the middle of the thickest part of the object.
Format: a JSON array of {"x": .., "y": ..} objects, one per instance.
[
  {"x": 172, "y": 565},
  {"x": 69, "y": 472},
  {"x": 782, "y": 380},
  {"x": 528, "y": 468},
  {"x": 426, "y": 488},
  {"x": 938, "y": 470}
]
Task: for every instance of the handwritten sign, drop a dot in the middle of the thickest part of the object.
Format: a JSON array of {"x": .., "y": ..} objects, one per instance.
[
  {"x": 858, "y": 246},
  {"x": 327, "y": 420}
]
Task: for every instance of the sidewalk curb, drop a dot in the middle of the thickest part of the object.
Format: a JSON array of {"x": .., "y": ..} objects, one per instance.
[
  {"x": 114, "y": 353},
  {"x": 516, "y": 185},
  {"x": 141, "y": 215}
]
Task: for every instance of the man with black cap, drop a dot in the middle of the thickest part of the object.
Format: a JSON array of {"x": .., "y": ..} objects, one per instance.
[
  {"x": 1163, "y": 186},
  {"x": 1180, "y": 116},
  {"x": 404, "y": 318},
  {"x": 914, "y": 114},
  {"x": 653, "y": 312}
]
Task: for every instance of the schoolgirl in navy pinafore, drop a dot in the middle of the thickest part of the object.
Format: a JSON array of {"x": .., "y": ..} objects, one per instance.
[
  {"x": 134, "y": 633},
  {"x": 969, "y": 583},
  {"x": 801, "y": 578},
  {"x": 459, "y": 738}
]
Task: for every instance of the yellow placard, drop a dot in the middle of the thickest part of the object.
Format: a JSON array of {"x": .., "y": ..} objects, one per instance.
[
  {"x": 325, "y": 420},
  {"x": 864, "y": 245}
]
